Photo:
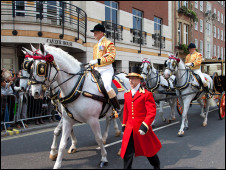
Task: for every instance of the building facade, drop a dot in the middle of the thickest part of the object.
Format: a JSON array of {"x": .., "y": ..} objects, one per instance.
[
  {"x": 139, "y": 29},
  {"x": 207, "y": 31}
]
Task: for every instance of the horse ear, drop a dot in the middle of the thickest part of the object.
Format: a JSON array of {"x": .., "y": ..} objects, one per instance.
[
  {"x": 177, "y": 54},
  {"x": 42, "y": 48},
  {"x": 24, "y": 52},
  {"x": 28, "y": 51},
  {"x": 33, "y": 48}
]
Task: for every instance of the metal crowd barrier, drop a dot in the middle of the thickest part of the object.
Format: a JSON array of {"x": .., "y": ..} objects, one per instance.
[{"x": 24, "y": 107}]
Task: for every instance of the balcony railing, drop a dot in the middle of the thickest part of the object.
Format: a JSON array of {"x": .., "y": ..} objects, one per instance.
[
  {"x": 113, "y": 31},
  {"x": 51, "y": 13},
  {"x": 157, "y": 40},
  {"x": 139, "y": 37}
]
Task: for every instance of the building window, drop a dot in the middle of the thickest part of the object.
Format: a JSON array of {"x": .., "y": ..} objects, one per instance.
[
  {"x": 222, "y": 19},
  {"x": 208, "y": 28},
  {"x": 178, "y": 4},
  {"x": 222, "y": 35},
  {"x": 179, "y": 38},
  {"x": 214, "y": 31},
  {"x": 218, "y": 52},
  {"x": 218, "y": 33},
  {"x": 214, "y": 51},
  {"x": 111, "y": 9},
  {"x": 137, "y": 19},
  {"x": 186, "y": 4},
  {"x": 222, "y": 52},
  {"x": 215, "y": 11},
  {"x": 20, "y": 8},
  {"x": 196, "y": 4},
  {"x": 196, "y": 25},
  {"x": 39, "y": 6},
  {"x": 196, "y": 43},
  {"x": 208, "y": 50},
  {"x": 185, "y": 34},
  {"x": 201, "y": 25},
  {"x": 201, "y": 47},
  {"x": 158, "y": 31},
  {"x": 218, "y": 16},
  {"x": 201, "y": 5},
  {"x": 208, "y": 7}
]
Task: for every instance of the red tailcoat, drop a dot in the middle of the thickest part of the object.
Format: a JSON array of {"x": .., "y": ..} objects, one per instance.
[{"x": 137, "y": 110}]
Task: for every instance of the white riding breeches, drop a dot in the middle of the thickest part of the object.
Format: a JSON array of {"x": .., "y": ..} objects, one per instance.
[
  {"x": 106, "y": 74},
  {"x": 198, "y": 71}
]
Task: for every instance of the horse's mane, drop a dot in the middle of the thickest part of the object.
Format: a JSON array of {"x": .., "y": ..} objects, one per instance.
[{"x": 60, "y": 52}]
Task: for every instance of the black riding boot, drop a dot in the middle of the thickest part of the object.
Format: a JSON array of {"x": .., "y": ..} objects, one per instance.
[{"x": 115, "y": 103}]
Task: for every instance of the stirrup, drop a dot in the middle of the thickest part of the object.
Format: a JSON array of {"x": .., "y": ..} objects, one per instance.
[{"x": 115, "y": 114}]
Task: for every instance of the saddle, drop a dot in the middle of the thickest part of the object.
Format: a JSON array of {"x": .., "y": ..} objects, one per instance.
[
  {"x": 116, "y": 83},
  {"x": 198, "y": 79}
]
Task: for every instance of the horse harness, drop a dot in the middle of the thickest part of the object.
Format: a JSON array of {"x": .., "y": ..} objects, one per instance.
[{"x": 42, "y": 70}]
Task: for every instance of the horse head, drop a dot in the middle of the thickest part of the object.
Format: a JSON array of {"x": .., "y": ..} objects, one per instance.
[
  {"x": 171, "y": 65},
  {"x": 41, "y": 72}
]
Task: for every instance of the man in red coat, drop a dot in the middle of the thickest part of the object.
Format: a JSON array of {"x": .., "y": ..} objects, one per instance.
[{"x": 138, "y": 115}]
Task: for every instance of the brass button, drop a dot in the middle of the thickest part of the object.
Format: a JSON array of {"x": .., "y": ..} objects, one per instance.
[
  {"x": 132, "y": 113},
  {"x": 132, "y": 117}
]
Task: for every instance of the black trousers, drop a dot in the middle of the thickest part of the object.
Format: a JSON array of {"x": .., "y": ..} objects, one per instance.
[{"x": 128, "y": 158}]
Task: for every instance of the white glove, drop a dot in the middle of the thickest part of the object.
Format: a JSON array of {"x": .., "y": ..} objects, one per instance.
[
  {"x": 189, "y": 64},
  {"x": 93, "y": 62},
  {"x": 141, "y": 132}
]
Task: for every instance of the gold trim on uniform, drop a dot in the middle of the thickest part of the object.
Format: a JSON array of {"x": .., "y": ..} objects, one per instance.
[
  {"x": 123, "y": 124},
  {"x": 145, "y": 125}
]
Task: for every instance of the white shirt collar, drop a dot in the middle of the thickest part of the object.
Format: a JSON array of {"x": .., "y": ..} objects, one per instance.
[
  {"x": 135, "y": 89},
  {"x": 101, "y": 39}
]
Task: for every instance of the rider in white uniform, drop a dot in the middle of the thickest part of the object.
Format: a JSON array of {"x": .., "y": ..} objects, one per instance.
[{"x": 103, "y": 57}]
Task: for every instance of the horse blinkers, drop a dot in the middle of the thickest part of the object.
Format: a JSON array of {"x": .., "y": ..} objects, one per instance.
[{"x": 41, "y": 69}]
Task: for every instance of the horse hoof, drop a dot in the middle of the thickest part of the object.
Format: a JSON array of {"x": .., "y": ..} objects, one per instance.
[
  {"x": 53, "y": 157},
  {"x": 70, "y": 151},
  {"x": 118, "y": 133},
  {"x": 180, "y": 134},
  {"x": 104, "y": 142},
  {"x": 119, "y": 152},
  {"x": 186, "y": 128},
  {"x": 204, "y": 124},
  {"x": 102, "y": 164},
  {"x": 173, "y": 118},
  {"x": 169, "y": 121}
]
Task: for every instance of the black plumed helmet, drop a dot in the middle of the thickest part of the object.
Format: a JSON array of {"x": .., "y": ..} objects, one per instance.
[
  {"x": 191, "y": 45},
  {"x": 98, "y": 27}
]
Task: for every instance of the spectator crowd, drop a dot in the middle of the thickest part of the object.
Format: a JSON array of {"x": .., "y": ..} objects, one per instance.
[{"x": 14, "y": 108}]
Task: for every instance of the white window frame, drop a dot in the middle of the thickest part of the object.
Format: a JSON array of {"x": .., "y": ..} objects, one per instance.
[
  {"x": 208, "y": 29},
  {"x": 196, "y": 4},
  {"x": 186, "y": 34},
  {"x": 218, "y": 33},
  {"x": 222, "y": 19},
  {"x": 214, "y": 31},
  {"x": 186, "y": 3},
  {"x": 201, "y": 47},
  {"x": 215, "y": 11},
  {"x": 179, "y": 40},
  {"x": 201, "y": 6},
  {"x": 208, "y": 51},
  {"x": 214, "y": 50},
  {"x": 201, "y": 25},
  {"x": 222, "y": 53},
  {"x": 196, "y": 43},
  {"x": 222, "y": 35},
  {"x": 196, "y": 25},
  {"x": 218, "y": 52},
  {"x": 218, "y": 18}
]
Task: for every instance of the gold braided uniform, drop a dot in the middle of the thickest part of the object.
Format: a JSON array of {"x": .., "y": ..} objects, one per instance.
[
  {"x": 195, "y": 58},
  {"x": 107, "y": 48}
]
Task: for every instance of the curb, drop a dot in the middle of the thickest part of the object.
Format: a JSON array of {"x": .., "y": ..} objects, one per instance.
[{"x": 16, "y": 132}]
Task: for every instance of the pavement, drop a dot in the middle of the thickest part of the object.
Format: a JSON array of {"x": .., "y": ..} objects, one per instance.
[{"x": 31, "y": 127}]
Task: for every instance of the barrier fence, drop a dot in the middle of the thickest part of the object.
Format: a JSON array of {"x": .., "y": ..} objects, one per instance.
[{"x": 18, "y": 109}]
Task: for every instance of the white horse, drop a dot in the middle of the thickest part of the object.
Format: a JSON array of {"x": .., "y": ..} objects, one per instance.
[
  {"x": 68, "y": 72},
  {"x": 187, "y": 84},
  {"x": 159, "y": 86},
  {"x": 24, "y": 81}
]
